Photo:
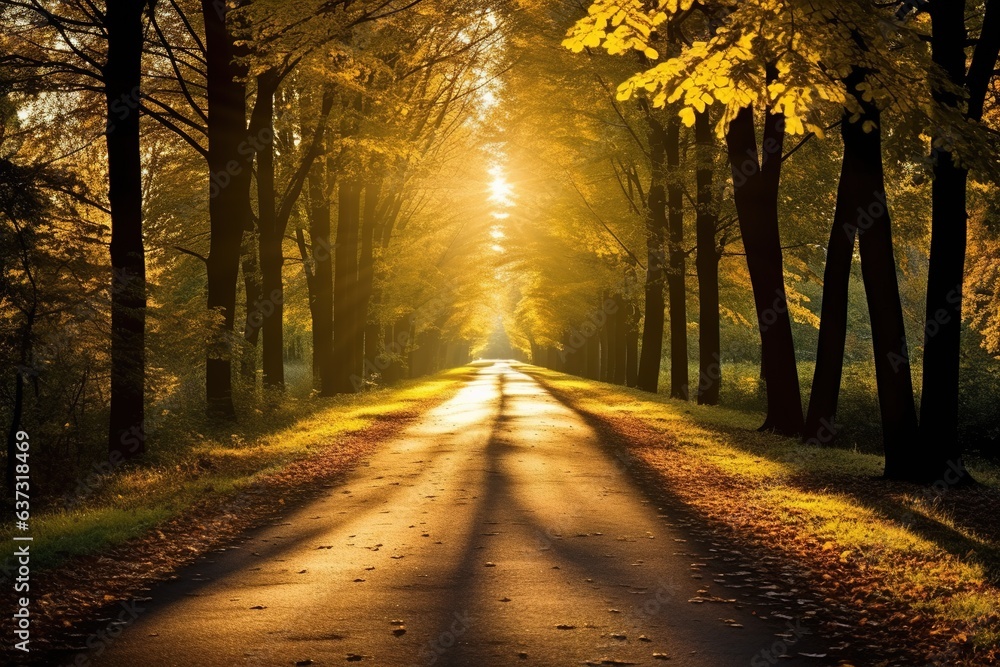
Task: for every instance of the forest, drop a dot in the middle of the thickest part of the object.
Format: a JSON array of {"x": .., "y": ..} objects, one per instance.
[{"x": 221, "y": 218}]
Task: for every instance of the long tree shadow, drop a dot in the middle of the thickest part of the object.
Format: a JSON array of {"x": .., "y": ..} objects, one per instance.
[{"x": 705, "y": 527}]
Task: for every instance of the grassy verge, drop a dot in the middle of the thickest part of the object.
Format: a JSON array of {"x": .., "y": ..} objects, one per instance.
[
  {"x": 106, "y": 510},
  {"x": 891, "y": 554}
]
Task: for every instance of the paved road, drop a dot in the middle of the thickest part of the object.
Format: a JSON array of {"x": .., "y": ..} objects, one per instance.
[{"x": 495, "y": 531}]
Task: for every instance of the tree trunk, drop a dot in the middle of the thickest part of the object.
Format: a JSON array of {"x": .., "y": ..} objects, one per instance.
[
  {"x": 675, "y": 273},
  {"x": 345, "y": 287},
  {"x": 128, "y": 263},
  {"x": 863, "y": 156},
  {"x": 620, "y": 347},
  {"x": 366, "y": 277},
  {"x": 631, "y": 344},
  {"x": 820, "y": 419},
  {"x": 707, "y": 265},
  {"x": 321, "y": 306},
  {"x": 228, "y": 200},
  {"x": 253, "y": 295},
  {"x": 656, "y": 223},
  {"x": 949, "y": 219},
  {"x": 605, "y": 357},
  {"x": 755, "y": 187},
  {"x": 271, "y": 308}
]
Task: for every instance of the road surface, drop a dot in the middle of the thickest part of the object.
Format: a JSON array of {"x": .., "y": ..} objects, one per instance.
[{"x": 496, "y": 530}]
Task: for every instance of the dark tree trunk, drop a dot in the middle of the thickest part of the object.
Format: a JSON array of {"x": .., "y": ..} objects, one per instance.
[
  {"x": 631, "y": 344},
  {"x": 229, "y": 184},
  {"x": 271, "y": 307},
  {"x": 253, "y": 294},
  {"x": 345, "y": 287},
  {"x": 820, "y": 420},
  {"x": 675, "y": 272},
  {"x": 707, "y": 265},
  {"x": 756, "y": 193},
  {"x": 605, "y": 357},
  {"x": 592, "y": 350},
  {"x": 126, "y": 433},
  {"x": 274, "y": 215},
  {"x": 862, "y": 210},
  {"x": 321, "y": 305},
  {"x": 366, "y": 278},
  {"x": 620, "y": 348},
  {"x": 611, "y": 331},
  {"x": 656, "y": 223},
  {"x": 878, "y": 268},
  {"x": 949, "y": 220}
]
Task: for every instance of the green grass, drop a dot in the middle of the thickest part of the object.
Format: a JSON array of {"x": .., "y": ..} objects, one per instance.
[
  {"x": 830, "y": 495},
  {"x": 186, "y": 461}
]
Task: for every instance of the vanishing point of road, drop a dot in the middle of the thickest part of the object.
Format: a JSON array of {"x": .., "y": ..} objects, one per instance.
[{"x": 495, "y": 530}]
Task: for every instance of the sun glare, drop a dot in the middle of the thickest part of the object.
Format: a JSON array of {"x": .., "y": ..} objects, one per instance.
[{"x": 501, "y": 190}]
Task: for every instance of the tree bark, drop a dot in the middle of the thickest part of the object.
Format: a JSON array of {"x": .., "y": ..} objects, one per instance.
[
  {"x": 253, "y": 295},
  {"x": 366, "y": 277},
  {"x": 228, "y": 163},
  {"x": 755, "y": 187},
  {"x": 271, "y": 307},
  {"x": 656, "y": 223},
  {"x": 620, "y": 347},
  {"x": 675, "y": 272},
  {"x": 878, "y": 268},
  {"x": 126, "y": 433},
  {"x": 949, "y": 221},
  {"x": 707, "y": 265},
  {"x": 322, "y": 267},
  {"x": 631, "y": 344},
  {"x": 345, "y": 287}
]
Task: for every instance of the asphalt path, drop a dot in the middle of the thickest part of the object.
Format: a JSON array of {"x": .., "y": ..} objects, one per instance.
[{"x": 496, "y": 530}]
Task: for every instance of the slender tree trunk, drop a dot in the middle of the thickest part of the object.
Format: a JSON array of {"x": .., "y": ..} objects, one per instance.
[
  {"x": 253, "y": 295},
  {"x": 707, "y": 265},
  {"x": 820, "y": 421},
  {"x": 126, "y": 433},
  {"x": 605, "y": 357},
  {"x": 620, "y": 348},
  {"x": 631, "y": 344},
  {"x": 656, "y": 223},
  {"x": 949, "y": 221},
  {"x": 345, "y": 286},
  {"x": 593, "y": 352},
  {"x": 322, "y": 267},
  {"x": 675, "y": 272},
  {"x": 228, "y": 200},
  {"x": 755, "y": 191},
  {"x": 611, "y": 328},
  {"x": 366, "y": 276},
  {"x": 892, "y": 364},
  {"x": 271, "y": 307}
]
